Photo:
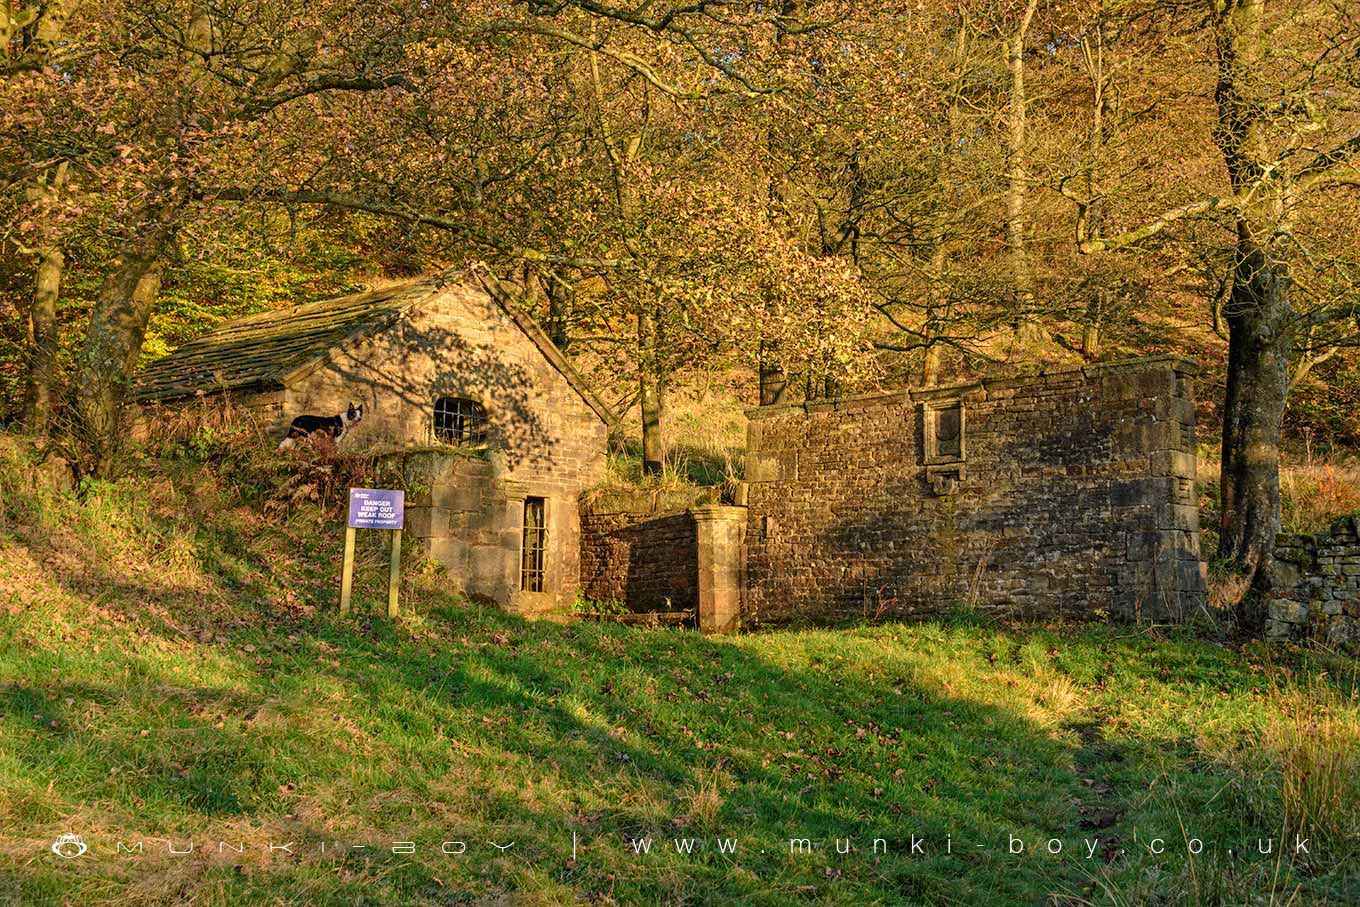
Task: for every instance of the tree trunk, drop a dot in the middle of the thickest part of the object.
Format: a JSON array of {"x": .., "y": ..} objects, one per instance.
[
  {"x": 650, "y": 396},
  {"x": 936, "y": 299},
  {"x": 1092, "y": 217},
  {"x": 1028, "y": 330},
  {"x": 930, "y": 365},
  {"x": 113, "y": 344},
  {"x": 1090, "y": 331},
  {"x": 772, "y": 377},
  {"x": 559, "y": 312},
  {"x": 41, "y": 374},
  {"x": 1258, "y": 370},
  {"x": 653, "y": 452},
  {"x": 774, "y": 380},
  {"x": 1259, "y": 312}
]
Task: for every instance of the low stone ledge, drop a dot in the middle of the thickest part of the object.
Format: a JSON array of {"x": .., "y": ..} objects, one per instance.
[{"x": 648, "y": 502}]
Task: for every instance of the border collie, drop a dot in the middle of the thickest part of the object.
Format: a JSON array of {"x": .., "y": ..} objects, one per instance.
[{"x": 335, "y": 427}]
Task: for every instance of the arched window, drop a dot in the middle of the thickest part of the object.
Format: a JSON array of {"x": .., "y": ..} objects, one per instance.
[{"x": 458, "y": 421}]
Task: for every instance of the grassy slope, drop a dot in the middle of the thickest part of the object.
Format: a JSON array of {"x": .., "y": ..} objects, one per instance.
[{"x": 170, "y": 666}]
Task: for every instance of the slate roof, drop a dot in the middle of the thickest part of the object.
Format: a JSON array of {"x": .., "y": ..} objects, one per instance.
[{"x": 259, "y": 352}]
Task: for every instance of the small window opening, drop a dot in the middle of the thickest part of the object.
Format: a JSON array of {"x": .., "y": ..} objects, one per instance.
[
  {"x": 944, "y": 433},
  {"x": 459, "y": 422},
  {"x": 535, "y": 545}
]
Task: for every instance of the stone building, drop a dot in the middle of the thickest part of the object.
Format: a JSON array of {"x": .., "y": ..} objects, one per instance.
[
  {"x": 1066, "y": 492},
  {"x": 499, "y": 433},
  {"x": 1071, "y": 491}
]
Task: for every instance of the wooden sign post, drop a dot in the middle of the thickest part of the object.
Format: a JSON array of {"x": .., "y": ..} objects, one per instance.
[{"x": 374, "y": 508}]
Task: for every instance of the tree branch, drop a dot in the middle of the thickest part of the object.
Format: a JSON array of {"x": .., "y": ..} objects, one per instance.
[
  {"x": 1157, "y": 224},
  {"x": 352, "y": 202}
]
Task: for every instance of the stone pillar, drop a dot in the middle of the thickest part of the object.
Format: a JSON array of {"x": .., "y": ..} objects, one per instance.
[{"x": 721, "y": 535}]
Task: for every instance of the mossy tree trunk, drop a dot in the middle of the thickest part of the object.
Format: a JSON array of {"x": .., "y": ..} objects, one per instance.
[
  {"x": 1259, "y": 314},
  {"x": 114, "y": 342},
  {"x": 40, "y": 374},
  {"x": 1258, "y": 319}
]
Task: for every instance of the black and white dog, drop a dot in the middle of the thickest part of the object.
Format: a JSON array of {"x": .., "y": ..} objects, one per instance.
[{"x": 335, "y": 427}]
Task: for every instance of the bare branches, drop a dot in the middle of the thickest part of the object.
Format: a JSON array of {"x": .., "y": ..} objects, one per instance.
[
  {"x": 598, "y": 45},
  {"x": 401, "y": 211},
  {"x": 317, "y": 84}
]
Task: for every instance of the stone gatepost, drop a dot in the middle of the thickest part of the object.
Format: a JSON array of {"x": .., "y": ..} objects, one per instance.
[{"x": 720, "y": 534}]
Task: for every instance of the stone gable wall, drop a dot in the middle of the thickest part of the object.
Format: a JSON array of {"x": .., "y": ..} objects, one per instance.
[
  {"x": 462, "y": 344},
  {"x": 544, "y": 440},
  {"x": 1073, "y": 493},
  {"x": 1313, "y": 586}
]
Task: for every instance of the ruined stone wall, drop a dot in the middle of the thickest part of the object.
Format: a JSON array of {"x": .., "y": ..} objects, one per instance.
[
  {"x": 1066, "y": 492},
  {"x": 640, "y": 550},
  {"x": 661, "y": 551},
  {"x": 644, "y": 561},
  {"x": 1313, "y": 586}
]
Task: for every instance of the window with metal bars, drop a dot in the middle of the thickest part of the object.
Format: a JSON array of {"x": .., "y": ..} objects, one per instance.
[
  {"x": 535, "y": 545},
  {"x": 459, "y": 422}
]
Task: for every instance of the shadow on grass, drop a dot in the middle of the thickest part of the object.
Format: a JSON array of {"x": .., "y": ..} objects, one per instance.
[{"x": 483, "y": 727}]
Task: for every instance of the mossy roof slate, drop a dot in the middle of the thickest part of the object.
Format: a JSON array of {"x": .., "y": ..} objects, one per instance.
[{"x": 257, "y": 352}]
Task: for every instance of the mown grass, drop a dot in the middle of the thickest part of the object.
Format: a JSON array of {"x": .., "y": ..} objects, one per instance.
[{"x": 171, "y": 667}]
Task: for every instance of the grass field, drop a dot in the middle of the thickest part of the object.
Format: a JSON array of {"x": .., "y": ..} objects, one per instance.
[{"x": 172, "y": 669}]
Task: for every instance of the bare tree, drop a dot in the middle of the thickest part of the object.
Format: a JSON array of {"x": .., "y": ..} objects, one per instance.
[{"x": 1287, "y": 128}]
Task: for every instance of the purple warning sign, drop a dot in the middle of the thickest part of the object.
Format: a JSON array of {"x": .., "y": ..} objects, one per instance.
[{"x": 376, "y": 508}]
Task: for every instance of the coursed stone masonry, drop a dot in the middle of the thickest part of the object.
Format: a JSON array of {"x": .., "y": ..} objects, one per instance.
[
  {"x": 639, "y": 549},
  {"x": 1065, "y": 492},
  {"x": 666, "y": 552}
]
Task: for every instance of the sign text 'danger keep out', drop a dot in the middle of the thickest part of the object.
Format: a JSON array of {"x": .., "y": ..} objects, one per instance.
[{"x": 376, "y": 508}]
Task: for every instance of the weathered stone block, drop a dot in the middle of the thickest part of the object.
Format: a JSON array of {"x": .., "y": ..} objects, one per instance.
[
  {"x": 425, "y": 522},
  {"x": 762, "y": 468},
  {"x": 1172, "y": 463},
  {"x": 460, "y": 496},
  {"x": 1281, "y": 631},
  {"x": 1287, "y": 611},
  {"x": 1282, "y": 576},
  {"x": 1343, "y": 631},
  {"x": 1182, "y": 517}
]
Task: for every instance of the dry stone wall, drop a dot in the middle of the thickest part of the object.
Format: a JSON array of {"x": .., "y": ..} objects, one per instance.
[
  {"x": 1066, "y": 492},
  {"x": 1313, "y": 586}
]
